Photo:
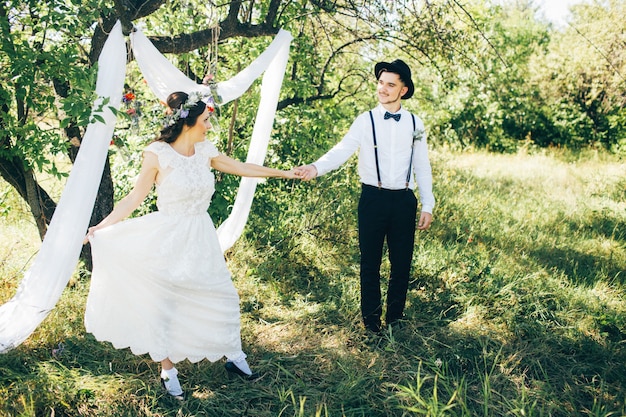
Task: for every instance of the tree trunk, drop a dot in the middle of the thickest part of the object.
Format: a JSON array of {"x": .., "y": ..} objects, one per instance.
[
  {"x": 41, "y": 205},
  {"x": 32, "y": 198}
]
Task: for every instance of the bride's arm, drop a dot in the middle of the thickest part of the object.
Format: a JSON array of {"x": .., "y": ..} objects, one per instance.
[
  {"x": 128, "y": 204},
  {"x": 245, "y": 169}
]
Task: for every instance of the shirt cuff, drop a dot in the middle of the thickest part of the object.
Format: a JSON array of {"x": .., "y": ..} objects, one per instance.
[{"x": 317, "y": 168}]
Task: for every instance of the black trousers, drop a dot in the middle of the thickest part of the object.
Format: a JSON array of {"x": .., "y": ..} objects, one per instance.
[{"x": 389, "y": 214}]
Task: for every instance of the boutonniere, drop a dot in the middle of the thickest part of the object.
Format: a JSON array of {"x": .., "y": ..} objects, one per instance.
[{"x": 418, "y": 134}]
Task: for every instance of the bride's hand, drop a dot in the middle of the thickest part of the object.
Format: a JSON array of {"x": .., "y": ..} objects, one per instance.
[
  {"x": 90, "y": 233},
  {"x": 291, "y": 174}
]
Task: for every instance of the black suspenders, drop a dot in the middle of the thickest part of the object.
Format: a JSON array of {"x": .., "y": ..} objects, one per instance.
[
  {"x": 408, "y": 174},
  {"x": 375, "y": 149}
]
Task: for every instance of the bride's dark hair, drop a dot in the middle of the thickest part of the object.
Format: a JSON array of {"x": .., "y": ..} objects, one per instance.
[{"x": 175, "y": 101}]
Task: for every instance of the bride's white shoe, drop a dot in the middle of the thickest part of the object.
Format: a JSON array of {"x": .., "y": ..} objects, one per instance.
[{"x": 170, "y": 382}]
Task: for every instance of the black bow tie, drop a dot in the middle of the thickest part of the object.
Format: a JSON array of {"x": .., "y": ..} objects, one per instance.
[{"x": 395, "y": 117}]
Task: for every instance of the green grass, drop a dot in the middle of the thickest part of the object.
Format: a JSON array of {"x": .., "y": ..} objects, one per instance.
[{"x": 516, "y": 306}]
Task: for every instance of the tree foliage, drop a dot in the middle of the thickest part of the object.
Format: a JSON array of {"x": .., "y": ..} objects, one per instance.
[
  {"x": 45, "y": 94},
  {"x": 582, "y": 77}
]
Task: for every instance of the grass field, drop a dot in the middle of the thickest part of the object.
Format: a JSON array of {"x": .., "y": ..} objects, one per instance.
[{"x": 516, "y": 308}]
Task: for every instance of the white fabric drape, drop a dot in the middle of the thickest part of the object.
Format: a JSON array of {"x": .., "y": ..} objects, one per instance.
[
  {"x": 164, "y": 78},
  {"x": 51, "y": 269}
]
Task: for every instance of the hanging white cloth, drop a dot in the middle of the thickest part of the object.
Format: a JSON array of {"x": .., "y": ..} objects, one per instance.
[
  {"x": 164, "y": 78},
  {"x": 53, "y": 266}
]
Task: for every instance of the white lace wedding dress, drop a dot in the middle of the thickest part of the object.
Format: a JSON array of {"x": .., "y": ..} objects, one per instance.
[{"x": 160, "y": 284}]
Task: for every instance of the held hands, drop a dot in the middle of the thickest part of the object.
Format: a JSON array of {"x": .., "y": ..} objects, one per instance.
[
  {"x": 306, "y": 172},
  {"x": 291, "y": 174}
]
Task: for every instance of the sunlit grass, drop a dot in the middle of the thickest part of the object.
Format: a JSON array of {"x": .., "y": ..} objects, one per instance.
[{"x": 516, "y": 307}]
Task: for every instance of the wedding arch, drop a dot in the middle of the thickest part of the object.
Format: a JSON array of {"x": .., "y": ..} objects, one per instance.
[{"x": 43, "y": 283}]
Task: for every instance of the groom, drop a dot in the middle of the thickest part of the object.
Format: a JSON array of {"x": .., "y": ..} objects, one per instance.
[{"x": 393, "y": 158}]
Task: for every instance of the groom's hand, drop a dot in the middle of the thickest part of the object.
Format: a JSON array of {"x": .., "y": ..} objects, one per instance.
[{"x": 306, "y": 172}]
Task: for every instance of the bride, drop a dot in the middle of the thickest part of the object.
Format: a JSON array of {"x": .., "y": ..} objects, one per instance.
[{"x": 160, "y": 284}]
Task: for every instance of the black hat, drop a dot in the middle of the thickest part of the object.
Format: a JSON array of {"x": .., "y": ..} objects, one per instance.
[{"x": 397, "y": 67}]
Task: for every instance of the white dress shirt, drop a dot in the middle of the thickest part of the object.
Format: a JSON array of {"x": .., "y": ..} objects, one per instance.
[{"x": 394, "y": 140}]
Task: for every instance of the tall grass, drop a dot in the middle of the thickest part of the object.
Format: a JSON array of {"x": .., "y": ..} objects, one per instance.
[{"x": 516, "y": 306}]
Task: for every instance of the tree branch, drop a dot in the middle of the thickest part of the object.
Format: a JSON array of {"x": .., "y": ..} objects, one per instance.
[
  {"x": 186, "y": 42},
  {"x": 272, "y": 12}
]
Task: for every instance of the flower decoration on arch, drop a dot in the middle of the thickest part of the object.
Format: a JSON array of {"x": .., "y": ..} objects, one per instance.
[{"x": 133, "y": 107}]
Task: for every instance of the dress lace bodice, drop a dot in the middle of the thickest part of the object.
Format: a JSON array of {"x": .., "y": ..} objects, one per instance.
[{"x": 188, "y": 183}]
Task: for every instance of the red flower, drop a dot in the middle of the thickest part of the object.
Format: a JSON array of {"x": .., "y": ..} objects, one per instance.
[{"x": 128, "y": 97}]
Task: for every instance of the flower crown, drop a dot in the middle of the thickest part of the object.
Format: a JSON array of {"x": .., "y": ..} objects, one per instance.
[{"x": 192, "y": 100}]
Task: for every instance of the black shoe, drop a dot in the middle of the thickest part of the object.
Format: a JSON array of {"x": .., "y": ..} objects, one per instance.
[
  {"x": 372, "y": 326},
  {"x": 372, "y": 340},
  {"x": 233, "y": 370},
  {"x": 397, "y": 324}
]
